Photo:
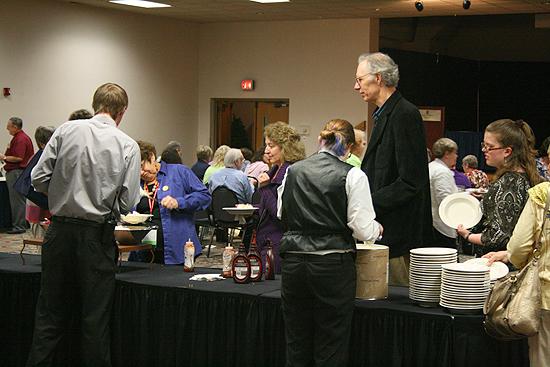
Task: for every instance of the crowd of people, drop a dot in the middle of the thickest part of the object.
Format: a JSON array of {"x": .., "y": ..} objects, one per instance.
[{"x": 382, "y": 188}]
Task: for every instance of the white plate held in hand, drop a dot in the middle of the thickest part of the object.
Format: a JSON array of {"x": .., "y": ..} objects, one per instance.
[{"x": 458, "y": 209}]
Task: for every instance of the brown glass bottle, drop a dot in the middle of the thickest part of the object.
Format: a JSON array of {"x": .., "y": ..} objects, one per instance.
[
  {"x": 241, "y": 266},
  {"x": 269, "y": 261},
  {"x": 256, "y": 268}
]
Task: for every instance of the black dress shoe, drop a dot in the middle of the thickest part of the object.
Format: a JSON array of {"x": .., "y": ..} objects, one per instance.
[{"x": 15, "y": 231}]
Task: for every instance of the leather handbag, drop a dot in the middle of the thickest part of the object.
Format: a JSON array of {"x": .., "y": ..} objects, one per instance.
[{"x": 512, "y": 309}]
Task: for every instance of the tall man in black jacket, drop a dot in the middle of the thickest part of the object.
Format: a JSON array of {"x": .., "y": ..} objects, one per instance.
[{"x": 396, "y": 164}]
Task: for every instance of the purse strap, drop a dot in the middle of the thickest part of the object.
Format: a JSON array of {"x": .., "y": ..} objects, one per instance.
[{"x": 544, "y": 220}]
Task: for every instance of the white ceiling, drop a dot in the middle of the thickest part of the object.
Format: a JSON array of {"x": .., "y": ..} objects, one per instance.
[{"x": 248, "y": 11}]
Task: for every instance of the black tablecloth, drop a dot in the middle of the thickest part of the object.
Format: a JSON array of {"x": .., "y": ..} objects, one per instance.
[
  {"x": 5, "y": 209},
  {"x": 161, "y": 318}
]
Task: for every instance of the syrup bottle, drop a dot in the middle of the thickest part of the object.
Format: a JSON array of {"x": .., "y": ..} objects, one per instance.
[
  {"x": 189, "y": 253},
  {"x": 269, "y": 261},
  {"x": 256, "y": 268},
  {"x": 228, "y": 256},
  {"x": 241, "y": 266}
]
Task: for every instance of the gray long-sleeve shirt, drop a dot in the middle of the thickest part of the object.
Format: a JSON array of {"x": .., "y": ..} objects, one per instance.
[{"x": 84, "y": 165}]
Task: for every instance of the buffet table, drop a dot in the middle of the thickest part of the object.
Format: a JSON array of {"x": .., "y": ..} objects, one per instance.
[
  {"x": 161, "y": 318},
  {"x": 5, "y": 209}
]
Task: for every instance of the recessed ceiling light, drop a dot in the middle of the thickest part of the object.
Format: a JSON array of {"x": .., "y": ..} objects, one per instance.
[
  {"x": 271, "y": 1},
  {"x": 141, "y": 3}
]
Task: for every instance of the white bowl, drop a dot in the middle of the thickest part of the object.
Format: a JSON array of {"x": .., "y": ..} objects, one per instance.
[{"x": 135, "y": 218}]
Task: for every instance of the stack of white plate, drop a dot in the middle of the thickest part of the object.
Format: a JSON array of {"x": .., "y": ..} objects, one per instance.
[
  {"x": 464, "y": 287},
  {"x": 425, "y": 273}
]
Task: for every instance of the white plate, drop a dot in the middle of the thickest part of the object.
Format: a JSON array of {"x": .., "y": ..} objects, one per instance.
[
  {"x": 432, "y": 251},
  {"x": 240, "y": 211},
  {"x": 458, "y": 209},
  {"x": 498, "y": 269},
  {"x": 465, "y": 268}
]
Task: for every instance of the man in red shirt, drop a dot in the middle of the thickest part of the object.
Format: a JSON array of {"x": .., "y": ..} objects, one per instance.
[{"x": 18, "y": 154}]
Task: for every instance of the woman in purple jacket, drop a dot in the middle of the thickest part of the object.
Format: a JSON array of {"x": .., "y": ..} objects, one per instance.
[
  {"x": 172, "y": 193},
  {"x": 283, "y": 147}
]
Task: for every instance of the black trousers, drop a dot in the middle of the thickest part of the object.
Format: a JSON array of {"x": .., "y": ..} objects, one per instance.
[
  {"x": 318, "y": 300},
  {"x": 78, "y": 274}
]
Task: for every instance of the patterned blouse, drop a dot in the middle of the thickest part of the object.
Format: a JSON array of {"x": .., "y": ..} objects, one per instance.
[
  {"x": 478, "y": 179},
  {"x": 501, "y": 208}
]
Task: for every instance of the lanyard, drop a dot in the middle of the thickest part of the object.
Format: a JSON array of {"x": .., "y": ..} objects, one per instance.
[{"x": 151, "y": 200}]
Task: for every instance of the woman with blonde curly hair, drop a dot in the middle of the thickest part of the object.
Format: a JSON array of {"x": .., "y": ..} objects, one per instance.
[
  {"x": 509, "y": 146},
  {"x": 217, "y": 164},
  {"x": 283, "y": 147},
  {"x": 325, "y": 204}
]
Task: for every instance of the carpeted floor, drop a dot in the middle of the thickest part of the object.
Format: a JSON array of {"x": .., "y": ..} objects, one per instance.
[{"x": 12, "y": 243}]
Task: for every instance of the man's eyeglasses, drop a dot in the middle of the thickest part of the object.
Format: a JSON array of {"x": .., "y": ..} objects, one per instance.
[
  {"x": 488, "y": 148},
  {"x": 358, "y": 79}
]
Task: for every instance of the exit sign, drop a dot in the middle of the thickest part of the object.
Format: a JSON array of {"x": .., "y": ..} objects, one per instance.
[{"x": 247, "y": 85}]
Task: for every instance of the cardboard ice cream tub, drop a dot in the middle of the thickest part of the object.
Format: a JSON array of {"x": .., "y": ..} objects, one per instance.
[{"x": 372, "y": 265}]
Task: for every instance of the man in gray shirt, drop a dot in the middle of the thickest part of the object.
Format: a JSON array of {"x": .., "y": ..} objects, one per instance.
[{"x": 89, "y": 169}]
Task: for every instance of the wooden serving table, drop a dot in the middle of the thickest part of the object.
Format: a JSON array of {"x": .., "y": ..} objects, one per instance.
[
  {"x": 121, "y": 249},
  {"x": 136, "y": 247},
  {"x": 30, "y": 241}
]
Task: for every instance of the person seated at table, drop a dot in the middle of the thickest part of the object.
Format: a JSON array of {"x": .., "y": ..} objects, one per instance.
[
  {"x": 247, "y": 154},
  {"x": 477, "y": 178},
  {"x": 442, "y": 184},
  {"x": 508, "y": 146},
  {"x": 358, "y": 149},
  {"x": 461, "y": 180},
  {"x": 519, "y": 252},
  {"x": 82, "y": 114},
  {"x": 235, "y": 180},
  {"x": 258, "y": 163},
  {"x": 204, "y": 156},
  {"x": 232, "y": 177},
  {"x": 543, "y": 160},
  {"x": 217, "y": 163},
  {"x": 171, "y": 156},
  {"x": 172, "y": 193}
]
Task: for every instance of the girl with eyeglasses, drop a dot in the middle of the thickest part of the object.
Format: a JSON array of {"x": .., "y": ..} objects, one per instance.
[{"x": 509, "y": 146}]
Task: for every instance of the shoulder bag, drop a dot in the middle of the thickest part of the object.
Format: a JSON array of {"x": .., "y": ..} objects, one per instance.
[{"x": 512, "y": 309}]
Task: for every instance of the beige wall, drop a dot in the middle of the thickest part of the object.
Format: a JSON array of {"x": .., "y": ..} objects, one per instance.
[
  {"x": 54, "y": 56},
  {"x": 311, "y": 63}
]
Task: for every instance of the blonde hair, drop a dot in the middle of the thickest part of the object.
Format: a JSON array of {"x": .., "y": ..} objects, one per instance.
[
  {"x": 359, "y": 137},
  {"x": 288, "y": 139},
  {"x": 219, "y": 156}
]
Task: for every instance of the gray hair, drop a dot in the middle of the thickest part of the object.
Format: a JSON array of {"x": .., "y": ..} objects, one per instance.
[
  {"x": 444, "y": 145},
  {"x": 382, "y": 64},
  {"x": 204, "y": 152},
  {"x": 470, "y": 160},
  {"x": 231, "y": 156},
  {"x": 43, "y": 134},
  {"x": 16, "y": 121},
  {"x": 174, "y": 145}
]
